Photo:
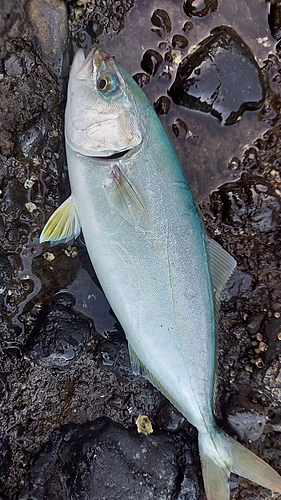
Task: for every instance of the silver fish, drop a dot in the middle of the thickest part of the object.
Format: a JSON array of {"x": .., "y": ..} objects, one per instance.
[{"x": 161, "y": 273}]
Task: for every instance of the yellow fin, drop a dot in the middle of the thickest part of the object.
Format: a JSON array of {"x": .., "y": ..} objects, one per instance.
[
  {"x": 123, "y": 196},
  {"x": 138, "y": 368},
  {"x": 63, "y": 225}
]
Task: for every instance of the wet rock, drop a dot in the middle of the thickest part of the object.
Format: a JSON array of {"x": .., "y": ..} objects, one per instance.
[
  {"x": 11, "y": 19},
  {"x": 13, "y": 65},
  {"x": 168, "y": 417},
  {"x": 59, "y": 337},
  {"x": 272, "y": 331},
  {"x": 48, "y": 19},
  {"x": 180, "y": 128},
  {"x": 271, "y": 70},
  {"x": 142, "y": 79},
  {"x": 107, "y": 352},
  {"x": 161, "y": 19},
  {"x": 32, "y": 138},
  {"x": 254, "y": 323},
  {"x": 162, "y": 105},
  {"x": 151, "y": 62},
  {"x": 5, "y": 458},
  {"x": 220, "y": 77},
  {"x": 247, "y": 419},
  {"x": 250, "y": 202},
  {"x": 272, "y": 379},
  {"x": 5, "y": 277},
  {"x": 201, "y": 8},
  {"x": 98, "y": 18},
  {"x": 179, "y": 42},
  {"x": 274, "y": 19},
  {"x": 101, "y": 459}
]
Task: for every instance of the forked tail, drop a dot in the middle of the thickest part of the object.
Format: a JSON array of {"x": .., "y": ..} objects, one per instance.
[{"x": 220, "y": 455}]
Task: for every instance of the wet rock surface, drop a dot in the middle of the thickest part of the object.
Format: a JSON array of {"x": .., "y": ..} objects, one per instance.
[
  {"x": 220, "y": 77},
  {"x": 59, "y": 336},
  {"x": 69, "y": 402},
  {"x": 107, "y": 461}
]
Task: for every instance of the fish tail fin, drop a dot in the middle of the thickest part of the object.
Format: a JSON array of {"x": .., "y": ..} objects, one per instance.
[{"x": 220, "y": 455}]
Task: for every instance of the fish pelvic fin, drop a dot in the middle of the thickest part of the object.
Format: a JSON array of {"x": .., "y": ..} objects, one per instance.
[
  {"x": 220, "y": 455},
  {"x": 63, "y": 224}
]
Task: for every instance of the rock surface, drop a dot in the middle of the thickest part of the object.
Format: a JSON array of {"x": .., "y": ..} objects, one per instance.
[
  {"x": 76, "y": 418},
  {"x": 220, "y": 77}
]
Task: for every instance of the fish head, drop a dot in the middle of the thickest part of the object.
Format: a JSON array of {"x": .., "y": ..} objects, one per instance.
[{"x": 102, "y": 117}]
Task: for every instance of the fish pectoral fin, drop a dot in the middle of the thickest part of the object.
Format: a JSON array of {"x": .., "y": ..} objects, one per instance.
[
  {"x": 222, "y": 265},
  {"x": 124, "y": 198},
  {"x": 63, "y": 225}
]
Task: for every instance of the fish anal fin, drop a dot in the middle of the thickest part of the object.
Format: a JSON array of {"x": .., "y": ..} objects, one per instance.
[
  {"x": 139, "y": 368},
  {"x": 63, "y": 224},
  {"x": 124, "y": 198}
]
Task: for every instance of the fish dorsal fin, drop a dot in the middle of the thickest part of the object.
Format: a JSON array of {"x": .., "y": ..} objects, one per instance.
[
  {"x": 63, "y": 225},
  {"x": 124, "y": 198},
  {"x": 222, "y": 265}
]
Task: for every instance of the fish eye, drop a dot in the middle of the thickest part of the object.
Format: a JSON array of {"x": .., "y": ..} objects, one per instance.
[{"x": 107, "y": 83}]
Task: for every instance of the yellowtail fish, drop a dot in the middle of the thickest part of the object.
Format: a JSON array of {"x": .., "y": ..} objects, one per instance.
[{"x": 161, "y": 273}]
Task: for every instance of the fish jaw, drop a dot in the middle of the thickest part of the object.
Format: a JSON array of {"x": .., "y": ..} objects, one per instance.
[{"x": 100, "y": 122}]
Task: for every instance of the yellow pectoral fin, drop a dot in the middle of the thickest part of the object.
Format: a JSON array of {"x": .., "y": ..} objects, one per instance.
[{"x": 63, "y": 225}]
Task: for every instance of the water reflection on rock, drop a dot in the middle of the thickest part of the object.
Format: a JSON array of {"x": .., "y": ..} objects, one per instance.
[{"x": 220, "y": 77}]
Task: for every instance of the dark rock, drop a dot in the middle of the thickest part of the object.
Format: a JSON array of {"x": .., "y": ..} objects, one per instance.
[
  {"x": 179, "y": 42},
  {"x": 103, "y": 460},
  {"x": 272, "y": 379},
  {"x": 161, "y": 19},
  {"x": 34, "y": 135},
  {"x": 151, "y": 61},
  {"x": 201, "y": 8},
  {"x": 220, "y": 77},
  {"x": 246, "y": 418},
  {"x": 273, "y": 335},
  {"x": 5, "y": 458},
  {"x": 254, "y": 323},
  {"x": 13, "y": 65},
  {"x": 105, "y": 17},
  {"x": 162, "y": 105},
  {"x": 48, "y": 19},
  {"x": 274, "y": 19},
  {"x": 188, "y": 26},
  {"x": 59, "y": 336},
  {"x": 250, "y": 202},
  {"x": 141, "y": 79},
  {"x": 11, "y": 19},
  {"x": 180, "y": 128},
  {"x": 168, "y": 417},
  {"x": 5, "y": 277}
]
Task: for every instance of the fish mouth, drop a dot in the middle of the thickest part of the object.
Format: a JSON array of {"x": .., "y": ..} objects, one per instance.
[{"x": 114, "y": 156}]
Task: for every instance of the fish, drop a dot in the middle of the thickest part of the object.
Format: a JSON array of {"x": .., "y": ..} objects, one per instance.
[{"x": 161, "y": 273}]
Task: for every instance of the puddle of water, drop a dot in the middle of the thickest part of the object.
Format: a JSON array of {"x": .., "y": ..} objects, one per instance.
[{"x": 91, "y": 302}]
